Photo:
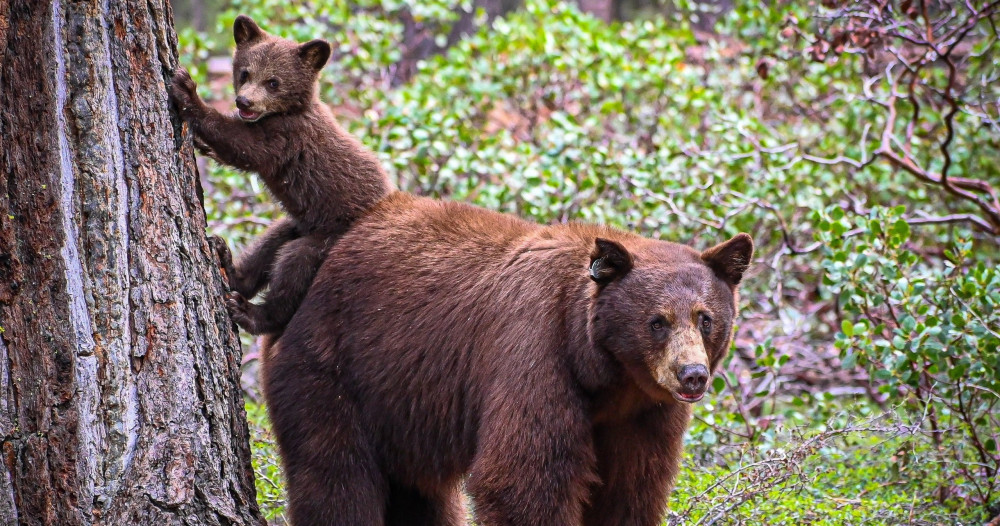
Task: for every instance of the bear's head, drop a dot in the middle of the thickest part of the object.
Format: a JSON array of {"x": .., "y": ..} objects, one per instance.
[
  {"x": 273, "y": 75},
  {"x": 665, "y": 311}
]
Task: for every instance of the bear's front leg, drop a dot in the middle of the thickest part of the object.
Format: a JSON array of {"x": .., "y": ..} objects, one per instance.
[
  {"x": 184, "y": 95},
  {"x": 230, "y": 139},
  {"x": 203, "y": 148},
  {"x": 536, "y": 461},
  {"x": 637, "y": 461}
]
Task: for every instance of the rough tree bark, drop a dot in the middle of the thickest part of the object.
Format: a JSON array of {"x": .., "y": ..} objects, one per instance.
[{"x": 119, "y": 393}]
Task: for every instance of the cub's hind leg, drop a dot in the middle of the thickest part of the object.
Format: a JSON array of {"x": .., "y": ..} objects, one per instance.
[
  {"x": 251, "y": 272},
  {"x": 291, "y": 275}
]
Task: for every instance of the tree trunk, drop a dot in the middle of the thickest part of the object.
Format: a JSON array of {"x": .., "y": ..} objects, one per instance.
[{"x": 119, "y": 393}]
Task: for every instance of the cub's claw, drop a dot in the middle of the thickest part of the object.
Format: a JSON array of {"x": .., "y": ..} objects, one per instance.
[
  {"x": 183, "y": 90},
  {"x": 221, "y": 249},
  {"x": 183, "y": 82},
  {"x": 240, "y": 311}
]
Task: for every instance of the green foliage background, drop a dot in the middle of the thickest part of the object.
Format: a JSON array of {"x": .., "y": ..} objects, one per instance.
[{"x": 554, "y": 116}]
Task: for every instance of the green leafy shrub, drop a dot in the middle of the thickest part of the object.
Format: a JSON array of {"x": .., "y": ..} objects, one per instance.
[
  {"x": 268, "y": 479},
  {"x": 928, "y": 332},
  {"x": 876, "y": 289}
]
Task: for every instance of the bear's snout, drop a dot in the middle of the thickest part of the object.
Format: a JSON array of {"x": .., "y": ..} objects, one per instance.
[
  {"x": 247, "y": 110},
  {"x": 681, "y": 368},
  {"x": 693, "y": 380}
]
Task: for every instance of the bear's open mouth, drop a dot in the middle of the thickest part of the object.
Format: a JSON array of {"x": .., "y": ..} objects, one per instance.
[
  {"x": 249, "y": 116},
  {"x": 689, "y": 398}
]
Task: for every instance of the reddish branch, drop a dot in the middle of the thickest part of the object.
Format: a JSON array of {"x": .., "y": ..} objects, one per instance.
[{"x": 868, "y": 27}]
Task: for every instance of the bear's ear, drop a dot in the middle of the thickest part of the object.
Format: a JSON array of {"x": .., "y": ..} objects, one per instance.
[
  {"x": 246, "y": 31},
  {"x": 729, "y": 260},
  {"x": 609, "y": 261},
  {"x": 315, "y": 53}
]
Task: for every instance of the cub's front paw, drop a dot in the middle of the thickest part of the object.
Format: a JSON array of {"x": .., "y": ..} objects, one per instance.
[
  {"x": 221, "y": 249},
  {"x": 183, "y": 91},
  {"x": 242, "y": 312}
]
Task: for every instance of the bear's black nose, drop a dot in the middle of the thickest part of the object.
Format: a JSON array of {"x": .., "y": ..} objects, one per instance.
[
  {"x": 242, "y": 103},
  {"x": 693, "y": 378}
]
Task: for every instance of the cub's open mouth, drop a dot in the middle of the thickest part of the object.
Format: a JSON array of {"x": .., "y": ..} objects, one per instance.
[
  {"x": 249, "y": 116},
  {"x": 688, "y": 398}
]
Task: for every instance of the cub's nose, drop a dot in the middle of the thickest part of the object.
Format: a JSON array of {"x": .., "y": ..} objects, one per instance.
[
  {"x": 242, "y": 103},
  {"x": 693, "y": 378}
]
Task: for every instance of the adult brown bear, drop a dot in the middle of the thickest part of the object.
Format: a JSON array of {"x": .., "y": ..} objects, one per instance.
[{"x": 551, "y": 368}]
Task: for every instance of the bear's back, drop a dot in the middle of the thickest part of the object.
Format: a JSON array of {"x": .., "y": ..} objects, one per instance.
[
  {"x": 420, "y": 307},
  {"x": 429, "y": 262}
]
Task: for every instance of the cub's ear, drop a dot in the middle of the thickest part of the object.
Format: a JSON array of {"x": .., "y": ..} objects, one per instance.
[
  {"x": 729, "y": 260},
  {"x": 246, "y": 31},
  {"x": 609, "y": 261},
  {"x": 315, "y": 53}
]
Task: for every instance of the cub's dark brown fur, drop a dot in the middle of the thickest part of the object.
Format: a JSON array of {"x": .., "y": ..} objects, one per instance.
[
  {"x": 551, "y": 368},
  {"x": 323, "y": 177}
]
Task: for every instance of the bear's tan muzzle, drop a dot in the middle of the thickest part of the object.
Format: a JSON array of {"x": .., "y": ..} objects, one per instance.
[{"x": 683, "y": 367}]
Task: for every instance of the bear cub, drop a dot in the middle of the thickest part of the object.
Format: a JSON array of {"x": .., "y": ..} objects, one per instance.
[
  {"x": 322, "y": 176},
  {"x": 549, "y": 369}
]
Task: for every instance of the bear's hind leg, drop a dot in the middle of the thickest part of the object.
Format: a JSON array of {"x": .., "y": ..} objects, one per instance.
[{"x": 333, "y": 476}]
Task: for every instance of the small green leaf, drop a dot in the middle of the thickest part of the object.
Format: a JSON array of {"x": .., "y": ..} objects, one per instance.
[
  {"x": 847, "y": 328},
  {"x": 849, "y": 361},
  {"x": 901, "y": 228}
]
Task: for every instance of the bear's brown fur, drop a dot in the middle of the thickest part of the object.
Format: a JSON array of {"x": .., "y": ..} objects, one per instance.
[
  {"x": 322, "y": 176},
  {"x": 547, "y": 367}
]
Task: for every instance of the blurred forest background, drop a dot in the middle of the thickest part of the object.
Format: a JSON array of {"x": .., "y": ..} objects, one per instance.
[{"x": 859, "y": 142}]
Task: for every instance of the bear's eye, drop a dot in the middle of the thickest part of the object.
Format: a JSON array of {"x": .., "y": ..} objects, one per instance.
[
  {"x": 705, "y": 323},
  {"x": 243, "y": 76},
  {"x": 273, "y": 84},
  {"x": 658, "y": 324}
]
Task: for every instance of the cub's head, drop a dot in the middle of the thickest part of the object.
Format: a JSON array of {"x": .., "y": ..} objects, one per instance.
[
  {"x": 273, "y": 75},
  {"x": 665, "y": 311}
]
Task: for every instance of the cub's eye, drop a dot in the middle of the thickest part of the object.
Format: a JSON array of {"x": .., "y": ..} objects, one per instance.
[
  {"x": 705, "y": 323},
  {"x": 273, "y": 83},
  {"x": 658, "y": 324},
  {"x": 243, "y": 76}
]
